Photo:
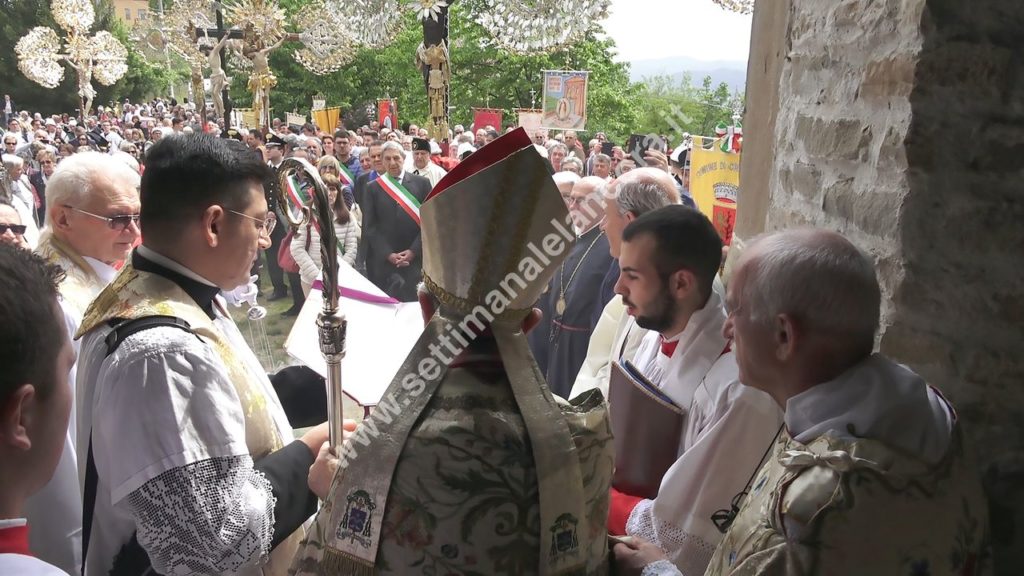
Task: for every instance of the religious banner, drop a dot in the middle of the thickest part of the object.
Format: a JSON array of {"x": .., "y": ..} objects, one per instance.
[
  {"x": 565, "y": 100},
  {"x": 244, "y": 118},
  {"x": 327, "y": 118},
  {"x": 295, "y": 119},
  {"x": 387, "y": 114},
  {"x": 715, "y": 184},
  {"x": 530, "y": 119},
  {"x": 483, "y": 117}
]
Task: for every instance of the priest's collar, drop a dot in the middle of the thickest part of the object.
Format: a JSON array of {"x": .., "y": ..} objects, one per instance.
[
  {"x": 105, "y": 271},
  {"x": 198, "y": 288}
]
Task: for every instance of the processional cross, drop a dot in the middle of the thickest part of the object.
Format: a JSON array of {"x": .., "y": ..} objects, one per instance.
[{"x": 101, "y": 55}]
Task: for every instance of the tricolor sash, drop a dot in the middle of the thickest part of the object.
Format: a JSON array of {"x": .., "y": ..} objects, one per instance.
[
  {"x": 295, "y": 192},
  {"x": 399, "y": 194},
  {"x": 346, "y": 176}
]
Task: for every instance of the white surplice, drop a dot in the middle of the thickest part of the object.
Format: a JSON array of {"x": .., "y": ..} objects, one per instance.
[
  {"x": 168, "y": 433},
  {"x": 55, "y": 512},
  {"x": 728, "y": 429}
]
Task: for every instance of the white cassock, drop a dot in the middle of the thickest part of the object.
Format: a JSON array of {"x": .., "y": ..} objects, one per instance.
[
  {"x": 728, "y": 430},
  {"x": 615, "y": 336},
  {"x": 431, "y": 172},
  {"x": 171, "y": 422},
  {"x": 55, "y": 512}
]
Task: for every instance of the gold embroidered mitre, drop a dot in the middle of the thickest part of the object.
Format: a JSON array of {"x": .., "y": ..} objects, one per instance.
[{"x": 511, "y": 233}]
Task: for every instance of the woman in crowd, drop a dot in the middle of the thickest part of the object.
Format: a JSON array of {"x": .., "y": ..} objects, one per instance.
[
  {"x": 305, "y": 246},
  {"x": 12, "y": 231}
]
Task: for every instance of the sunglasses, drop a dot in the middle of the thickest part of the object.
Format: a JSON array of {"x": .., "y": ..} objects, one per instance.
[
  {"x": 118, "y": 223},
  {"x": 18, "y": 229}
]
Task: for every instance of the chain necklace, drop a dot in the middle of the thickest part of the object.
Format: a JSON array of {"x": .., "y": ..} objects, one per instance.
[{"x": 563, "y": 285}]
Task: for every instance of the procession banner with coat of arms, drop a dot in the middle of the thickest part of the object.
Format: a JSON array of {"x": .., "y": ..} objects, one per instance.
[
  {"x": 565, "y": 100},
  {"x": 715, "y": 184}
]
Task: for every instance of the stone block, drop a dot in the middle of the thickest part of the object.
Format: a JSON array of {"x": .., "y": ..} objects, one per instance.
[{"x": 836, "y": 138}]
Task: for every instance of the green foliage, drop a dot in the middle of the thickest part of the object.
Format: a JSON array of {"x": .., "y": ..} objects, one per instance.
[
  {"x": 142, "y": 80},
  {"x": 675, "y": 107},
  {"x": 482, "y": 76}
]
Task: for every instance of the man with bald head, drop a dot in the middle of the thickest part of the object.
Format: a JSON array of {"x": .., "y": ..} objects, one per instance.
[
  {"x": 559, "y": 343},
  {"x": 867, "y": 447}
]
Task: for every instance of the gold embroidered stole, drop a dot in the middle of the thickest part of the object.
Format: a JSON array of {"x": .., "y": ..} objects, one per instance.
[
  {"x": 136, "y": 294},
  {"x": 81, "y": 283}
]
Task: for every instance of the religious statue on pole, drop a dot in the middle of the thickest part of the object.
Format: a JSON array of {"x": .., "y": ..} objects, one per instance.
[{"x": 99, "y": 56}]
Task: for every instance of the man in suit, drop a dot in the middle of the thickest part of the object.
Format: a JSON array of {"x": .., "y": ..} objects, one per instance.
[
  {"x": 359, "y": 192},
  {"x": 391, "y": 226}
]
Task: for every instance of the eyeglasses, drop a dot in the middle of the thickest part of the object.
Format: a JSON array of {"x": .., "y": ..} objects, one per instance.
[
  {"x": 266, "y": 225},
  {"x": 18, "y": 229},
  {"x": 118, "y": 223},
  {"x": 46, "y": 162}
]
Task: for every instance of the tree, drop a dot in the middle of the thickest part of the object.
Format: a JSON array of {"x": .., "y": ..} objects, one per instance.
[
  {"x": 675, "y": 107},
  {"x": 482, "y": 76}
]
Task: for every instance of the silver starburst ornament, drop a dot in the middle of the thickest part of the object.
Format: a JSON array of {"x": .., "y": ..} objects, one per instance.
[{"x": 101, "y": 56}]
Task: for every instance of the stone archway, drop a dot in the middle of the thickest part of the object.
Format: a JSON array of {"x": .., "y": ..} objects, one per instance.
[{"x": 900, "y": 123}]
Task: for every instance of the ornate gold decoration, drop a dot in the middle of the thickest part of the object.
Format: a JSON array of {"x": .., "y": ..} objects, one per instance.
[
  {"x": 102, "y": 55},
  {"x": 437, "y": 61}
]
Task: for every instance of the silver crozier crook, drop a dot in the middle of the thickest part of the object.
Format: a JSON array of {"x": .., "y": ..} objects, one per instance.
[{"x": 298, "y": 178}]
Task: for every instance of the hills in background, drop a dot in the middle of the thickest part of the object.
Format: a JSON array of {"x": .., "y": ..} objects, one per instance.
[{"x": 732, "y": 72}]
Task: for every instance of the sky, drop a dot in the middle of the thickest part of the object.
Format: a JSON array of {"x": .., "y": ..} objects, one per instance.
[{"x": 649, "y": 29}]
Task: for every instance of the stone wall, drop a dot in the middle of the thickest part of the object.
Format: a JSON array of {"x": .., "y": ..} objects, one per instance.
[{"x": 900, "y": 123}]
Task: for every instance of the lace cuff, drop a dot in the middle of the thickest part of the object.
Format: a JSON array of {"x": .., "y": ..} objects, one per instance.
[
  {"x": 210, "y": 517},
  {"x": 661, "y": 568},
  {"x": 691, "y": 553}
]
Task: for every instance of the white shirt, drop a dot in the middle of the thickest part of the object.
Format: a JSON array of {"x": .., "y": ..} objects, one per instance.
[
  {"x": 161, "y": 401},
  {"x": 22, "y": 565},
  {"x": 55, "y": 512},
  {"x": 727, "y": 431}
]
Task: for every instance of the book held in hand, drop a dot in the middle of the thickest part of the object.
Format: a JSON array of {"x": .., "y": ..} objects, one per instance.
[{"x": 647, "y": 426}]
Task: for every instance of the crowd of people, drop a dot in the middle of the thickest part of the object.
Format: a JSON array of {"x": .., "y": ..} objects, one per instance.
[{"x": 140, "y": 433}]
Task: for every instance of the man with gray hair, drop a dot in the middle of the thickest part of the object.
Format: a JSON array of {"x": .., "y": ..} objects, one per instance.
[
  {"x": 560, "y": 342},
  {"x": 867, "y": 447},
  {"x": 616, "y": 333},
  {"x": 391, "y": 225},
  {"x": 92, "y": 223},
  {"x": 572, "y": 164}
]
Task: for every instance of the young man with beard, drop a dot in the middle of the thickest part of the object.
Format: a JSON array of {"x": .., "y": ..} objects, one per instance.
[{"x": 668, "y": 261}]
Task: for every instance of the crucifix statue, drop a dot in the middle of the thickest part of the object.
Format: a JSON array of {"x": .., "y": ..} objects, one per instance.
[{"x": 218, "y": 65}]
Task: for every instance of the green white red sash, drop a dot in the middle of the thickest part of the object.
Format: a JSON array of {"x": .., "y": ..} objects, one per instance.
[
  {"x": 297, "y": 195},
  {"x": 346, "y": 176},
  {"x": 399, "y": 194}
]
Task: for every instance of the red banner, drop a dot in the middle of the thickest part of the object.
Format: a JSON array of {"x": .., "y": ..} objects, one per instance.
[
  {"x": 483, "y": 117},
  {"x": 387, "y": 114}
]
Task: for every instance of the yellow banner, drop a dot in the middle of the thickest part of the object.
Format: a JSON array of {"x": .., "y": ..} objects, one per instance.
[
  {"x": 327, "y": 118},
  {"x": 715, "y": 184}
]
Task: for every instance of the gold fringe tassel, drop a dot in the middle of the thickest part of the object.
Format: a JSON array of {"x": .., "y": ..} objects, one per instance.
[{"x": 337, "y": 563}]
